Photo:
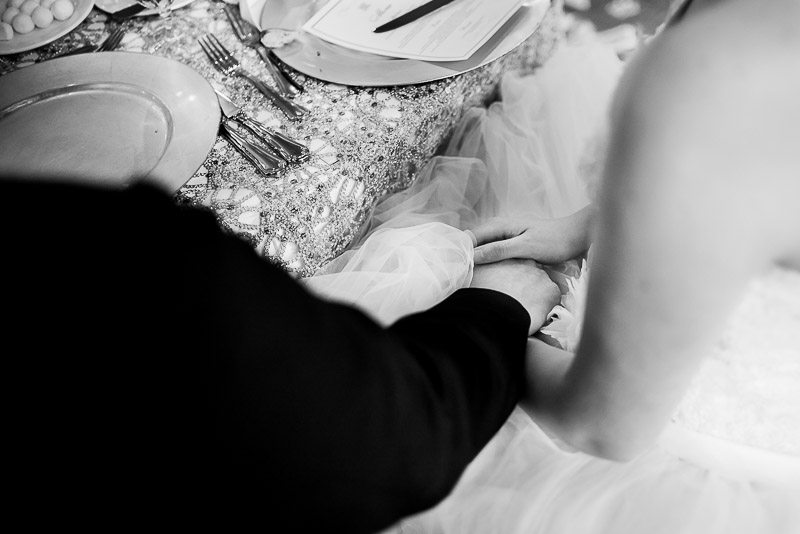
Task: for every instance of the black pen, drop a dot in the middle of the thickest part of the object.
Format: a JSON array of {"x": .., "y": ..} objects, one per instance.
[{"x": 412, "y": 15}]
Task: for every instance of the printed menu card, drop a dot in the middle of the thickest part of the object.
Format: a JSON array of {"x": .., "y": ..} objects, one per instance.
[{"x": 451, "y": 33}]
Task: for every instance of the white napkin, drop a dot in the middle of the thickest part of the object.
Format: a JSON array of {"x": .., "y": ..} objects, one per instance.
[
  {"x": 286, "y": 14},
  {"x": 248, "y": 7}
]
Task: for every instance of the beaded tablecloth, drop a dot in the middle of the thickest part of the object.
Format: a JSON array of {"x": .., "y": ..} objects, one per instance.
[{"x": 364, "y": 141}]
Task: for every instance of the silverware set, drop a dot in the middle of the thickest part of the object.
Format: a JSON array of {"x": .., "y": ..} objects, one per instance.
[
  {"x": 263, "y": 159},
  {"x": 224, "y": 62},
  {"x": 269, "y": 150},
  {"x": 284, "y": 147}
]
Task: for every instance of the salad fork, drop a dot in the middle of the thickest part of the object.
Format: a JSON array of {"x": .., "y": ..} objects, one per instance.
[
  {"x": 110, "y": 43},
  {"x": 113, "y": 40},
  {"x": 225, "y": 63},
  {"x": 251, "y": 37}
]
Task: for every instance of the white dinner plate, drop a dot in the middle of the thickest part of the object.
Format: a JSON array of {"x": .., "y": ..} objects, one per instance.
[
  {"x": 22, "y": 42},
  {"x": 109, "y": 118},
  {"x": 332, "y": 63},
  {"x": 112, "y": 6}
]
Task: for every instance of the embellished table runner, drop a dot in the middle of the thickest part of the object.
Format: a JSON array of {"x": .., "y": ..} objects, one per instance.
[{"x": 364, "y": 141}]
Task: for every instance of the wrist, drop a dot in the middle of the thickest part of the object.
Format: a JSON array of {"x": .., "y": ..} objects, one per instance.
[
  {"x": 579, "y": 235},
  {"x": 546, "y": 367}
]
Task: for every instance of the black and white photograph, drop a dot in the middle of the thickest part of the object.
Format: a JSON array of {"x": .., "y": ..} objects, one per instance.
[{"x": 401, "y": 266}]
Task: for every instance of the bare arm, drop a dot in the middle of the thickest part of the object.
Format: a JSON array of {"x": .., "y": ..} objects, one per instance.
[{"x": 700, "y": 194}]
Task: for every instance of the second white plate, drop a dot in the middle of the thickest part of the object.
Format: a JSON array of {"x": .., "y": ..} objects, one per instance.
[{"x": 332, "y": 63}]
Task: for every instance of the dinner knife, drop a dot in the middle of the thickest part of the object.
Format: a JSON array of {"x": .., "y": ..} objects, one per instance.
[
  {"x": 127, "y": 12},
  {"x": 264, "y": 161},
  {"x": 75, "y": 51},
  {"x": 412, "y": 15},
  {"x": 277, "y": 143}
]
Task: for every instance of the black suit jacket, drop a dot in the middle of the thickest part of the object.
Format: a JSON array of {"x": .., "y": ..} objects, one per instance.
[{"x": 157, "y": 367}]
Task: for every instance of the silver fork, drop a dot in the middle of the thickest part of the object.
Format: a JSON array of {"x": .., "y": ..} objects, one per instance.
[
  {"x": 249, "y": 35},
  {"x": 113, "y": 40},
  {"x": 224, "y": 62},
  {"x": 110, "y": 43}
]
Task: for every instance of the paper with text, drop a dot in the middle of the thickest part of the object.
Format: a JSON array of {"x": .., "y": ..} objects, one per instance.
[{"x": 451, "y": 33}]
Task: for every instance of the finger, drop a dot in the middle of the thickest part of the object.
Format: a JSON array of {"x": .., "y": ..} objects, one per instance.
[
  {"x": 494, "y": 230},
  {"x": 491, "y": 252},
  {"x": 499, "y": 250}
]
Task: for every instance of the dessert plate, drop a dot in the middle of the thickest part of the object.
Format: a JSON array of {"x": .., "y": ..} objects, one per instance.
[{"x": 41, "y": 36}]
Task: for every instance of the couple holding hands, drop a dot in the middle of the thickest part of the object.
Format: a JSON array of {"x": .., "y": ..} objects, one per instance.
[{"x": 405, "y": 385}]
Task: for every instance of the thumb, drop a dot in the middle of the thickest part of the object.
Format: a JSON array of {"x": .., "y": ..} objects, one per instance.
[{"x": 499, "y": 250}]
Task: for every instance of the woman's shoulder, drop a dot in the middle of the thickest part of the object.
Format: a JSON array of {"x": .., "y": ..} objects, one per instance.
[
  {"x": 741, "y": 45},
  {"x": 718, "y": 93}
]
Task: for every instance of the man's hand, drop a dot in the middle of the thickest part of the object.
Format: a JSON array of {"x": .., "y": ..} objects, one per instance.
[
  {"x": 544, "y": 240},
  {"x": 524, "y": 281}
]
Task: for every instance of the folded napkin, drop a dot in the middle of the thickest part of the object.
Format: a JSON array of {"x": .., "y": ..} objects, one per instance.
[
  {"x": 248, "y": 7},
  {"x": 286, "y": 14}
]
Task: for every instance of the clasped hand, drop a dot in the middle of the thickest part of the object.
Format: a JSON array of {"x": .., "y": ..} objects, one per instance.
[
  {"x": 507, "y": 250},
  {"x": 547, "y": 241}
]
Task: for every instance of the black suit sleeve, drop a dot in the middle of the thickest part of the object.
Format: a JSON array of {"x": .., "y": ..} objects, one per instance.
[{"x": 227, "y": 388}]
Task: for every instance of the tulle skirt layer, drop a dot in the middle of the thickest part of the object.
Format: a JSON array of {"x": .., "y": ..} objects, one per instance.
[
  {"x": 523, "y": 482},
  {"x": 535, "y": 152}
]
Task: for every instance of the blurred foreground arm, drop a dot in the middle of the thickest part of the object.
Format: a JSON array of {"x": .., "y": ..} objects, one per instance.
[
  {"x": 178, "y": 375},
  {"x": 690, "y": 187}
]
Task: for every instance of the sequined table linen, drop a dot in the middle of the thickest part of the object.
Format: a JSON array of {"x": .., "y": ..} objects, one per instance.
[{"x": 364, "y": 141}]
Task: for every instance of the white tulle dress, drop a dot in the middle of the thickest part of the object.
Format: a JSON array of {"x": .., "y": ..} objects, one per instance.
[{"x": 730, "y": 460}]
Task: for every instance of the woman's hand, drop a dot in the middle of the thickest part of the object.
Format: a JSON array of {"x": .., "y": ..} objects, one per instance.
[{"x": 544, "y": 240}]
